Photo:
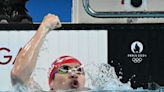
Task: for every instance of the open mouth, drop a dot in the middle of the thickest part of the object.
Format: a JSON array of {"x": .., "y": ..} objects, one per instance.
[{"x": 75, "y": 84}]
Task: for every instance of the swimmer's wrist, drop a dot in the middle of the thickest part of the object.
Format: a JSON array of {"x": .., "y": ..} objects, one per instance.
[
  {"x": 46, "y": 28},
  {"x": 43, "y": 30}
]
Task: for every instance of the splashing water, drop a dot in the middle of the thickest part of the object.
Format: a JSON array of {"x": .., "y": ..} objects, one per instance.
[
  {"x": 103, "y": 77},
  {"x": 32, "y": 86},
  {"x": 19, "y": 88}
]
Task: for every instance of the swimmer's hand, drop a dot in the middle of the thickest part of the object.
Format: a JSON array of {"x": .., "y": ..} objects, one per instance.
[{"x": 50, "y": 22}]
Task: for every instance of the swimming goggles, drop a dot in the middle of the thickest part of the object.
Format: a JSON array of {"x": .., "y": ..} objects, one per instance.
[{"x": 68, "y": 69}]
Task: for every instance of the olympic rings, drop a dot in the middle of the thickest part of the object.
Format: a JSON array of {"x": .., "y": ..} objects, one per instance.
[{"x": 137, "y": 60}]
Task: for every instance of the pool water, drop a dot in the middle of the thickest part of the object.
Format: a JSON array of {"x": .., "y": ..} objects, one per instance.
[{"x": 100, "y": 78}]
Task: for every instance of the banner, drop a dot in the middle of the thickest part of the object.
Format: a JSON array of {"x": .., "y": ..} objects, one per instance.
[
  {"x": 137, "y": 55},
  {"x": 87, "y": 46}
]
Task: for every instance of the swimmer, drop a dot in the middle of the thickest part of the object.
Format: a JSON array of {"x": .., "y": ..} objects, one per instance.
[{"x": 66, "y": 72}]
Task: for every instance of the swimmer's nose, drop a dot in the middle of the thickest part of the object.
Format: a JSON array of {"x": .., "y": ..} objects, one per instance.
[{"x": 73, "y": 76}]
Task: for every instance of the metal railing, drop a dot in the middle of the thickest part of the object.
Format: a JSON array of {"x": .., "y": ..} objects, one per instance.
[{"x": 136, "y": 14}]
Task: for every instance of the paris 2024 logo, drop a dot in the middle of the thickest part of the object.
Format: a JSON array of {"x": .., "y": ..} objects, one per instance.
[{"x": 137, "y": 54}]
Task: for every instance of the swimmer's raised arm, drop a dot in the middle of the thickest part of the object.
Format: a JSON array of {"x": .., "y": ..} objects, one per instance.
[{"x": 26, "y": 59}]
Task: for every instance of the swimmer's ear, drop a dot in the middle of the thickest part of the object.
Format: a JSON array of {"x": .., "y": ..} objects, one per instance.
[
  {"x": 51, "y": 86},
  {"x": 51, "y": 89}
]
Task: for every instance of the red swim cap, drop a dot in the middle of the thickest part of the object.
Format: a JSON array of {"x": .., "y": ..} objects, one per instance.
[{"x": 58, "y": 62}]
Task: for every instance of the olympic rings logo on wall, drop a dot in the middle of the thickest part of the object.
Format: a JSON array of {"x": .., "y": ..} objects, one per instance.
[
  {"x": 137, "y": 56},
  {"x": 137, "y": 60}
]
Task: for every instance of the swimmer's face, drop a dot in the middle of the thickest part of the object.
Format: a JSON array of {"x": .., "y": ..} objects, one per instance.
[{"x": 74, "y": 78}]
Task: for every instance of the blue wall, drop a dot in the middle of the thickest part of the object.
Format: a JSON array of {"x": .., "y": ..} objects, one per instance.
[{"x": 39, "y": 8}]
